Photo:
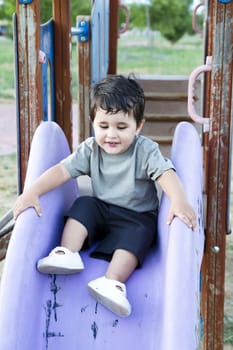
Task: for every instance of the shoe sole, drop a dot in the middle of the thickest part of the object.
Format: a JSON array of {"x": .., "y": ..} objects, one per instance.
[
  {"x": 109, "y": 304},
  {"x": 58, "y": 270}
]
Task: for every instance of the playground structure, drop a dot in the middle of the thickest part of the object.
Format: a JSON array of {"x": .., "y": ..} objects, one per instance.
[{"x": 216, "y": 96}]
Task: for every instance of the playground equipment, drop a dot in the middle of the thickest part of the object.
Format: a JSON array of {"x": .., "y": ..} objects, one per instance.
[
  {"x": 216, "y": 140},
  {"x": 56, "y": 312}
]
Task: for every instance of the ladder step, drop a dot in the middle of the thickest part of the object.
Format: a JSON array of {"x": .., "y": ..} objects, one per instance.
[
  {"x": 166, "y": 117},
  {"x": 163, "y": 96},
  {"x": 162, "y": 140}
]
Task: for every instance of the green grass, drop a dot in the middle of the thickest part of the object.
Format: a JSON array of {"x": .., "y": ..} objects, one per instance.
[
  {"x": 139, "y": 54},
  {"x": 8, "y": 182},
  {"x": 228, "y": 330},
  {"x": 155, "y": 55},
  {"x": 156, "y": 61},
  {"x": 7, "y": 85}
]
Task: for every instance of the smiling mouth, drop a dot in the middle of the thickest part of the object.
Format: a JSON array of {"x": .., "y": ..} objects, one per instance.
[{"x": 112, "y": 143}]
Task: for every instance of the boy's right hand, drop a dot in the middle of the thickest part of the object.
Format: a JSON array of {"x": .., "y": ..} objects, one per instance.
[{"x": 24, "y": 201}]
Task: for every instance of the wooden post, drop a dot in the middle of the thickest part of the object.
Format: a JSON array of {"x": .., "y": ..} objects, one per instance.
[
  {"x": 29, "y": 79},
  {"x": 219, "y": 102},
  {"x": 62, "y": 47},
  {"x": 113, "y": 36}
]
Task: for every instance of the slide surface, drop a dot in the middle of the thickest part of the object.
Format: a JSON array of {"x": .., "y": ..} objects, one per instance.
[{"x": 48, "y": 312}]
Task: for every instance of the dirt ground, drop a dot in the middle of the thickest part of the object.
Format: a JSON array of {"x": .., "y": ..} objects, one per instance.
[{"x": 8, "y": 146}]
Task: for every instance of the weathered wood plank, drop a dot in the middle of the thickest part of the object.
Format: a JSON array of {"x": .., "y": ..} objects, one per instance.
[
  {"x": 113, "y": 36},
  {"x": 29, "y": 78},
  {"x": 62, "y": 47},
  {"x": 219, "y": 103}
]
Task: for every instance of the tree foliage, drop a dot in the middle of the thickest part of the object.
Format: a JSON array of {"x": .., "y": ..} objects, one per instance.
[
  {"x": 171, "y": 17},
  {"x": 7, "y": 9},
  {"x": 78, "y": 7},
  {"x": 137, "y": 16}
]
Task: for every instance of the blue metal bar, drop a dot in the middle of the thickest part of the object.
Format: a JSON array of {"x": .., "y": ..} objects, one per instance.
[
  {"x": 25, "y": 2},
  {"x": 100, "y": 40},
  {"x": 81, "y": 30},
  {"x": 48, "y": 80}
]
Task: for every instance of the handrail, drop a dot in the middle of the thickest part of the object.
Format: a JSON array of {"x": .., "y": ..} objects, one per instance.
[
  {"x": 191, "y": 88},
  {"x": 6, "y": 218},
  {"x": 127, "y": 15},
  {"x": 6, "y": 223},
  {"x": 41, "y": 57},
  {"x": 194, "y": 19}
]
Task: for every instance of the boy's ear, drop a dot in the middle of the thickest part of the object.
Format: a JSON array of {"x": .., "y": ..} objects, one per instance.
[{"x": 139, "y": 127}]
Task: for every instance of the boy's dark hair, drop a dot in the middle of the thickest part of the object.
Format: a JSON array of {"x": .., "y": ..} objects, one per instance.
[{"x": 118, "y": 93}]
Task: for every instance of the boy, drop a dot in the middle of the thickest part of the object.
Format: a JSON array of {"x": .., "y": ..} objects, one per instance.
[{"x": 122, "y": 213}]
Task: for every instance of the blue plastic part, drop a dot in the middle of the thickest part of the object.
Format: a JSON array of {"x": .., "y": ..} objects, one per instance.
[
  {"x": 82, "y": 31},
  {"x": 99, "y": 40},
  {"x": 225, "y": 1},
  {"x": 202, "y": 325},
  {"x": 25, "y": 2},
  {"x": 48, "y": 74}
]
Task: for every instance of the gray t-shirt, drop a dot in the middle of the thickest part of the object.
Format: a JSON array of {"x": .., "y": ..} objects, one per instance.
[{"x": 125, "y": 179}]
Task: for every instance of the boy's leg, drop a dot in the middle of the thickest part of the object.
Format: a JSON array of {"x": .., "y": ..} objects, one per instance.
[
  {"x": 66, "y": 259},
  {"x": 74, "y": 235},
  {"x": 122, "y": 265},
  {"x": 110, "y": 290}
]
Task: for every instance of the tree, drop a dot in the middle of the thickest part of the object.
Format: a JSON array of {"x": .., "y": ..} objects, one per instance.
[
  {"x": 78, "y": 7},
  {"x": 137, "y": 16},
  {"x": 171, "y": 17},
  {"x": 7, "y": 9},
  {"x": 82, "y": 7}
]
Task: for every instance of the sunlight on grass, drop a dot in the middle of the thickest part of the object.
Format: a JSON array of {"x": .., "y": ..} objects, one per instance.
[
  {"x": 7, "y": 81},
  {"x": 155, "y": 55},
  {"x": 228, "y": 330},
  {"x": 8, "y": 182}
]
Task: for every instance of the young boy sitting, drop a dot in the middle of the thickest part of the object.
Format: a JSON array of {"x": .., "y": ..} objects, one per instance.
[{"x": 122, "y": 213}]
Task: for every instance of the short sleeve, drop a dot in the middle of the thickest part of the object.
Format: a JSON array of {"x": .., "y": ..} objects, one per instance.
[
  {"x": 78, "y": 163},
  {"x": 153, "y": 161}
]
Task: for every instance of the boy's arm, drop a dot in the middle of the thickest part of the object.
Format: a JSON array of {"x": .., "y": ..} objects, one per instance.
[
  {"x": 180, "y": 206},
  {"x": 50, "y": 179}
]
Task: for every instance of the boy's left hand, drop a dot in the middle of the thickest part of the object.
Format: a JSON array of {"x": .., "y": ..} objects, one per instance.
[{"x": 184, "y": 211}]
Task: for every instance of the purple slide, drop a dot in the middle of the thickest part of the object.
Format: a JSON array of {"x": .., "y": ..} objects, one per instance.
[{"x": 49, "y": 312}]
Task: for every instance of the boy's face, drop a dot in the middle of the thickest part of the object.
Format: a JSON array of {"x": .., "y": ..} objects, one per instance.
[{"x": 114, "y": 133}]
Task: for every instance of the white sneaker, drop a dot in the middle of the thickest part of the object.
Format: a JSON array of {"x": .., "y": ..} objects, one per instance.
[
  {"x": 60, "y": 264},
  {"x": 112, "y": 294}
]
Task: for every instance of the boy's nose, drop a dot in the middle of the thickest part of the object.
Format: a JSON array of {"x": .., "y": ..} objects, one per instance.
[{"x": 112, "y": 132}]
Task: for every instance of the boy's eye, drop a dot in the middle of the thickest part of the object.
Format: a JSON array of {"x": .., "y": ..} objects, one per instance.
[
  {"x": 122, "y": 126},
  {"x": 119, "y": 127},
  {"x": 103, "y": 126}
]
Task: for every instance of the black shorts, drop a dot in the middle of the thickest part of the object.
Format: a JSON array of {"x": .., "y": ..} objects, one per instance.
[{"x": 114, "y": 227}]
